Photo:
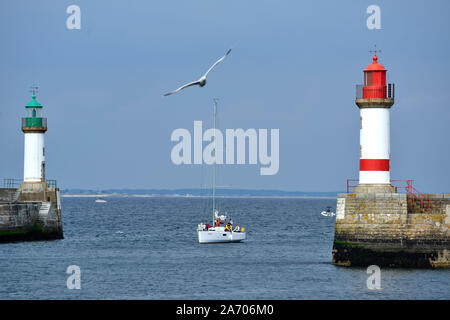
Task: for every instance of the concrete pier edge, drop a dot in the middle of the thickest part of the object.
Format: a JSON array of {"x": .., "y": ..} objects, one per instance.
[
  {"x": 30, "y": 212},
  {"x": 387, "y": 229}
]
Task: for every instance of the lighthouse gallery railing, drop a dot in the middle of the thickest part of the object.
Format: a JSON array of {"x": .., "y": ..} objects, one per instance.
[
  {"x": 34, "y": 122},
  {"x": 374, "y": 92}
]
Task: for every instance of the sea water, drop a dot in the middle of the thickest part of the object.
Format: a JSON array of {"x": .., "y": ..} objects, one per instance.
[{"x": 146, "y": 248}]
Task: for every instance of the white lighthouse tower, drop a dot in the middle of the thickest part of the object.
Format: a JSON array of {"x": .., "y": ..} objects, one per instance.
[
  {"x": 34, "y": 126},
  {"x": 374, "y": 99}
]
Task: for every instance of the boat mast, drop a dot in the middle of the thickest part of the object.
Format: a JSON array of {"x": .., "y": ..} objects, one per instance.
[{"x": 215, "y": 155}]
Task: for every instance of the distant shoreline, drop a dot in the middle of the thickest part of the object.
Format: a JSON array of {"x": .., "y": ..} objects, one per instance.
[
  {"x": 197, "y": 192},
  {"x": 121, "y": 195}
]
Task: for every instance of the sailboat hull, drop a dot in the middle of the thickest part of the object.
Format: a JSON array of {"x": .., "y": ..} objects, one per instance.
[{"x": 220, "y": 237}]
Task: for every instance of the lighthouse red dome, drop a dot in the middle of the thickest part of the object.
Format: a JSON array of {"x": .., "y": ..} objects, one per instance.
[
  {"x": 374, "y": 81},
  {"x": 375, "y": 66}
]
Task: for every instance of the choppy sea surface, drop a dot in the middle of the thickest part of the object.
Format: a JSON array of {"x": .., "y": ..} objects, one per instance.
[{"x": 146, "y": 248}]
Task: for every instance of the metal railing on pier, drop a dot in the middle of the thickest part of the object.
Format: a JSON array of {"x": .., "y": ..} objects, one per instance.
[
  {"x": 11, "y": 183},
  {"x": 414, "y": 197},
  {"x": 350, "y": 184},
  {"x": 15, "y": 183},
  {"x": 51, "y": 183}
]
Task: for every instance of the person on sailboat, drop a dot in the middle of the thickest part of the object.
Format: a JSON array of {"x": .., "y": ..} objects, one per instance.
[
  {"x": 236, "y": 229},
  {"x": 218, "y": 222}
]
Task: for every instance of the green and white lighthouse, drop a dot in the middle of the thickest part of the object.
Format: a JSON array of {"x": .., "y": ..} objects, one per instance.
[{"x": 34, "y": 126}]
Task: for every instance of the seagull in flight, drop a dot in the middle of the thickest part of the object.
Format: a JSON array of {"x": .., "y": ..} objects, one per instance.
[{"x": 200, "y": 82}]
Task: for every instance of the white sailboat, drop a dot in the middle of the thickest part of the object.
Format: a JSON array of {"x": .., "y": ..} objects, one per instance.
[
  {"x": 100, "y": 200},
  {"x": 222, "y": 229}
]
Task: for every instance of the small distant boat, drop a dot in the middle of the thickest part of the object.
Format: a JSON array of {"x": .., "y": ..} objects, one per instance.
[
  {"x": 328, "y": 212},
  {"x": 99, "y": 200}
]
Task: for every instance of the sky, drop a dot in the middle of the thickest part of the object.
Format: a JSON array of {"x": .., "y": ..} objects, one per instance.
[{"x": 293, "y": 67}]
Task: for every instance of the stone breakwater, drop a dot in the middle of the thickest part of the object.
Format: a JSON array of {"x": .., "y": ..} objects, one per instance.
[
  {"x": 389, "y": 230},
  {"x": 30, "y": 213}
]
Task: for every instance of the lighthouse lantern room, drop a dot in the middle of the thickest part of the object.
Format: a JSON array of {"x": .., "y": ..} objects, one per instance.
[
  {"x": 374, "y": 99},
  {"x": 34, "y": 126}
]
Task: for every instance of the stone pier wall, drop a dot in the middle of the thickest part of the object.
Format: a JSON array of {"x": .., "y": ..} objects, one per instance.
[
  {"x": 30, "y": 214},
  {"x": 386, "y": 229}
]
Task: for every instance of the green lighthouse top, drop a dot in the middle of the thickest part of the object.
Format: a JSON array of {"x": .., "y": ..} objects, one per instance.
[
  {"x": 33, "y": 103},
  {"x": 34, "y": 122}
]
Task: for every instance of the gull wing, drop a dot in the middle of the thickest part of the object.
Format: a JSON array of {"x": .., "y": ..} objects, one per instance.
[
  {"x": 215, "y": 64},
  {"x": 182, "y": 87}
]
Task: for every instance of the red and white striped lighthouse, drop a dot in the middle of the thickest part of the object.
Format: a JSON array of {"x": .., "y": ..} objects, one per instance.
[{"x": 374, "y": 100}]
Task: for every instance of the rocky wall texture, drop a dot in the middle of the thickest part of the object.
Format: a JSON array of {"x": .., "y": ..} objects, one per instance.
[
  {"x": 27, "y": 216},
  {"x": 390, "y": 230}
]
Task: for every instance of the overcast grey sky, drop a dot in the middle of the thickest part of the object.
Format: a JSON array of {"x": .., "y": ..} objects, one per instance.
[{"x": 294, "y": 67}]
